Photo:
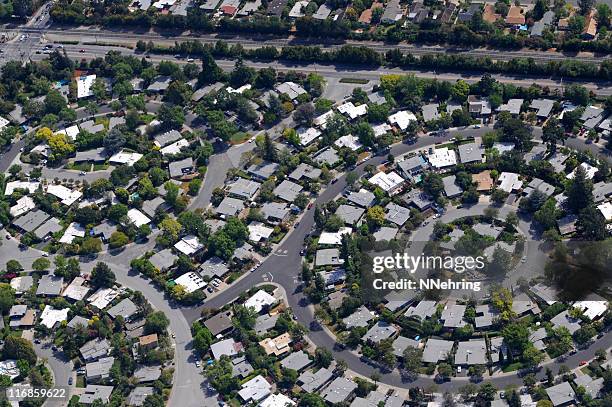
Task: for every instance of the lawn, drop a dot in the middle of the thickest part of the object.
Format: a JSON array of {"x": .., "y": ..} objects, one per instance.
[
  {"x": 239, "y": 137},
  {"x": 512, "y": 367},
  {"x": 354, "y": 80},
  {"x": 79, "y": 166},
  {"x": 80, "y": 381},
  {"x": 100, "y": 167}
]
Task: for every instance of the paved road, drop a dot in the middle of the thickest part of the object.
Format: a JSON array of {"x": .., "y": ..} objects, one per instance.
[
  {"x": 339, "y": 71},
  {"x": 61, "y": 367},
  {"x": 94, "y": 35}
]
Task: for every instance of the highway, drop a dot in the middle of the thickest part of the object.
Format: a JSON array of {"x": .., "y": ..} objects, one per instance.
[
  {"x": 603, "y": 88},
  {"x": 105, "y": 35}
]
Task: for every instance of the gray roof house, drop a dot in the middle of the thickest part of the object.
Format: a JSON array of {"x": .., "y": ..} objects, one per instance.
[
  {"x": 363, "y": 198},
  {"x": 424, "y": 309},
  {"x": 339, "y": 390},
  {"x": 436, "y": 350},
  {"x": 397, "y": 214},
  {"x": 392, "y": 13},
  {"x": 452, "y": 316},
  {"x": 220, "y": 323},
  {"x": 305, "y": 171},
  {"x": 262, "y": 171},
  {"x": 180, "y": 168},
  {"x": 451, "y": 189},
  {"x": 380, "y": 331},
  {"x": 311, "y": 381},
  {"x": 591, "y": 117},
  {"x": 470, "y": 153},
  {"x": 349, "y": 214},
  {"x": 138, "y": 395},
  {"x": 214, "y": 267},
  {"x": 360, "y": 317},
  {"x": 93, "y": 393},
  {"x": 230, "y": 206},
  {"x": 430, "y": 112},
  {"x": 542, "y": 107},
  {"x": 296, "y": 361},
  {"x": 160, "y": 84},
  {"x": 244, "y": 189},
  {"x": 49, "y": 285},
  {"x": 401, "y": 343},
  {"x": 163, "y": 259},
  {"x": 287, "y": 190},
  {"x": 562, "y": 394},
  {"x": 126, "y": 308},
  {"x": 328, "y": 257},
  {"x": 147, "y": 373},
  {"x": 473, "y": 352},
  {"x": 95, "y": 349},
  {"x": 274, "y": 211},
  {"x": 30, "y": 220},
  {"x": 99, "y": 369}
]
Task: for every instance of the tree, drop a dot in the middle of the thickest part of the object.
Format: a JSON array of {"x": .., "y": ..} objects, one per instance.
[
  {"x": 375, "y": 216},
  {"x": 41, "y": 264},
  {"x": 102, "y": 276},
  {"x": 19, "y": 349},
  {"x": 553, "y": 132},
  {"x": 304, "y": 113},
  {"x": 591, "y": 224},
  {"x": 210, "y": 72},
  {"x": 153, "y": 400},
  {"x": 411, "y": 362},
  {"x": 54, "y": 102},
  {"x": 445, "y": 370},
  {"x": 501, "y": 262},
  {"x": 532, "y": 356},
  {"x": 202, "y": 339},
  {"x": 539, "y": 9},
  {"x": 585, "y": 6},
  {"x": 13, "y": 266},
  {"x": 90, "y": 245},
  {"x": 7, "y": 298},
  {"x": 117, "y": 212},
  {"x": 115, "y": 139},
  {"x": 171, "y": 116},
  {"x": 118, "y": 239},
  {"x": 433, "y": 184},
  {"x": 460, "y": 90},
  {"x": 516, "y": 335},
  {"x": 156, "y": 322},
  {"x": 547, "y": 215},
  {"x": 580, "y": 191},
  {"x": 323, "y": 357}
]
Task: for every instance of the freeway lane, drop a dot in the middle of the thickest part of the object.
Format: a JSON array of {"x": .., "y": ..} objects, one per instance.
[
  {"x": 603, "y": 88},
  {"x": 94, "y": 34}
]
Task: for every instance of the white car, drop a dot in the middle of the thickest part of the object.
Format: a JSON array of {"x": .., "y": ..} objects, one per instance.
[{"x": 190, "y": 59}]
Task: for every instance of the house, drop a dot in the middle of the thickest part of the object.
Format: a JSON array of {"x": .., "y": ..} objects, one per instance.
[
  {"x": 381, "y": 129},
  {"x": 402, "y": 119},
  {"x": 22, "y": 206},
  {"x": 84, "y": 86},
  {"x": 137, "y": 218},
  {"x": 385, "y": 234},
  {"x": 515, "y": 16},
  {"x": 100, "y": 369},
  {"x": 163, "y": 259},
  {"x": 76, "y": 290},
  {"x": 264, "y": 323},
  {"x": 169, "y": 137},
  {"x": 274, "y": 212},
  {"x": 305, "y": 171},
  {"x": 260, "y": 300},
  {"x": 229, "y": 207},
  {"x": 307, "y": 135},
  {"x": 125, "y": 158},
  {"x": 411, "y": 168},
  {"x": 544, "y": 293},
  {"x": 591, "y": 117},
  {"x": 95, "y": 349},
  {"x": 430, "y": 112},
  {"x": 311, "y": 381},
  {"x": 393, "y": 12},
  {"x": 606, "y": 210},
  {"x": 436, "y": 350},
  {"x": 49, "y": 285},
  {"x": 397, "y": 214},
  {"x": 220, "y": 323},
  {"x": 509, "y": 182},
  {"x": 190, "y": 282},
  {"x": 390, "y": 182},
  {"x": 276, "y": 346},
  {"x": 471, "y": 153},
  {"x": 93, "y": 393},
  {"x": 101, "y": 298},
  {"x": 401, "y": 343},
  {"x": 144, "y": 374},
  {"x": 363, "y": 198},
  {"x": 513, "y": 106},
  {"x": 451, "y": 189},
  {"x": 277, "y": 400},
  {"x": 334, "y": 238},
  {"x": 244, "y": 189},
  {"x": 338, "y": 391},
  {"x": 589, "y": 31},
  {"x": 148, "y": 341},
  {"x": 380, "y": 331},
  {"x": 159, "y": 84},
  {"x": 214, "y": 267},
  {"x": 328, "y": 257},
  {"x": 292, "y": 89},
  {"x": 255, "y": 389},
  {"x": 537, "y": 30},
  {"x": 22, "y": 284},
  {"x": 442, "y": 158},
  {"x": 452, "y": 315},
  {"x": 21, "y": 317},
  {"x": 297, "y": 361},
  {"x": 592, "y": 386},
  {"x": 472, "y": 352},
  {"x": 179, "y": 169},
  {"x": 327, "y": 156},
  {"x": 126, "y": 309},
  {"x": 522, "y": 305},
  {"x": 359, "y": 318},
  {"x": 227, "y": 347},
  {"x": 287, "y": 190},
  {"x": 539, "y": 185},
  {"x": 561, "y": 394},
  {"x": 567, "y": 224},
  {"x": 65, "y": 195},
  {"x": 349, "y": 141},
  {"x": 478, "y": 106},
  {"x": 262, "y": 171},
  {"x": 418, "y": 199},
  {"x": 589, "y": 170},
  {"x": 138, "y": 395},
  {"x": 322, "y": 12},
  {"x": 349, "y": 214},
  {"x": 488, "y": 13},
  {"x": 602, "y": 191},
  {"x": 542, "y": 107},
  {"x": 73, "y": 231},
  {"x": 565, "y": 320},
  {"x": 241, "y": 367},
  {"x": 258, "y": 232},
  {"x": 483, "y": 181},
  {"x": 488, "y": 229}
]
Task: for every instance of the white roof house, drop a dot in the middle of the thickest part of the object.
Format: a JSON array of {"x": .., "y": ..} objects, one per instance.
[
  {"x": 298, "y": 9},
  {"x": 509, "y": 181},
  {"x": 27, "y": 185},
  {"x": 606, "y": 210},
  {"x": 190, "y": 281},
  {"x": 255, "y": 389},
  {"x": 442, "y": 158},
  {"x": 3, "y": 123},
  {"x": 390, "y": 182},
  {"x": 308, "y": 135},
  {"x": 9, "y": 368},
  {"x": 349, "y": 141},
  {"x": 334, "y": 238},
  {"x": 277, "y": 400},
  {"x": 353, "y": 111},
  {"x": 101, "y": 298},
  {"x": 124, "y": 157},
  {"x": 175, "y": 147},
  {"x": 23, "y": 205},
  {"x": 321, "y": 121},
  {"x": 258, "y": 231},
  {"x": 66, "y": 195},
  {"x": 381, "y": 129},
  {"x": 259, "y": 300},
  {"x": 138, "y": 218},
  {"x": 402, "y": 119},
  {"x": 592, "y": 309},
  {"x": 84, "y": 84},
  {"x": 51, "y": 316},
  {"x": 73, "y": 230},
  {"x": 588, "y": 168},
  {"x": 188, "y": 245}
]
